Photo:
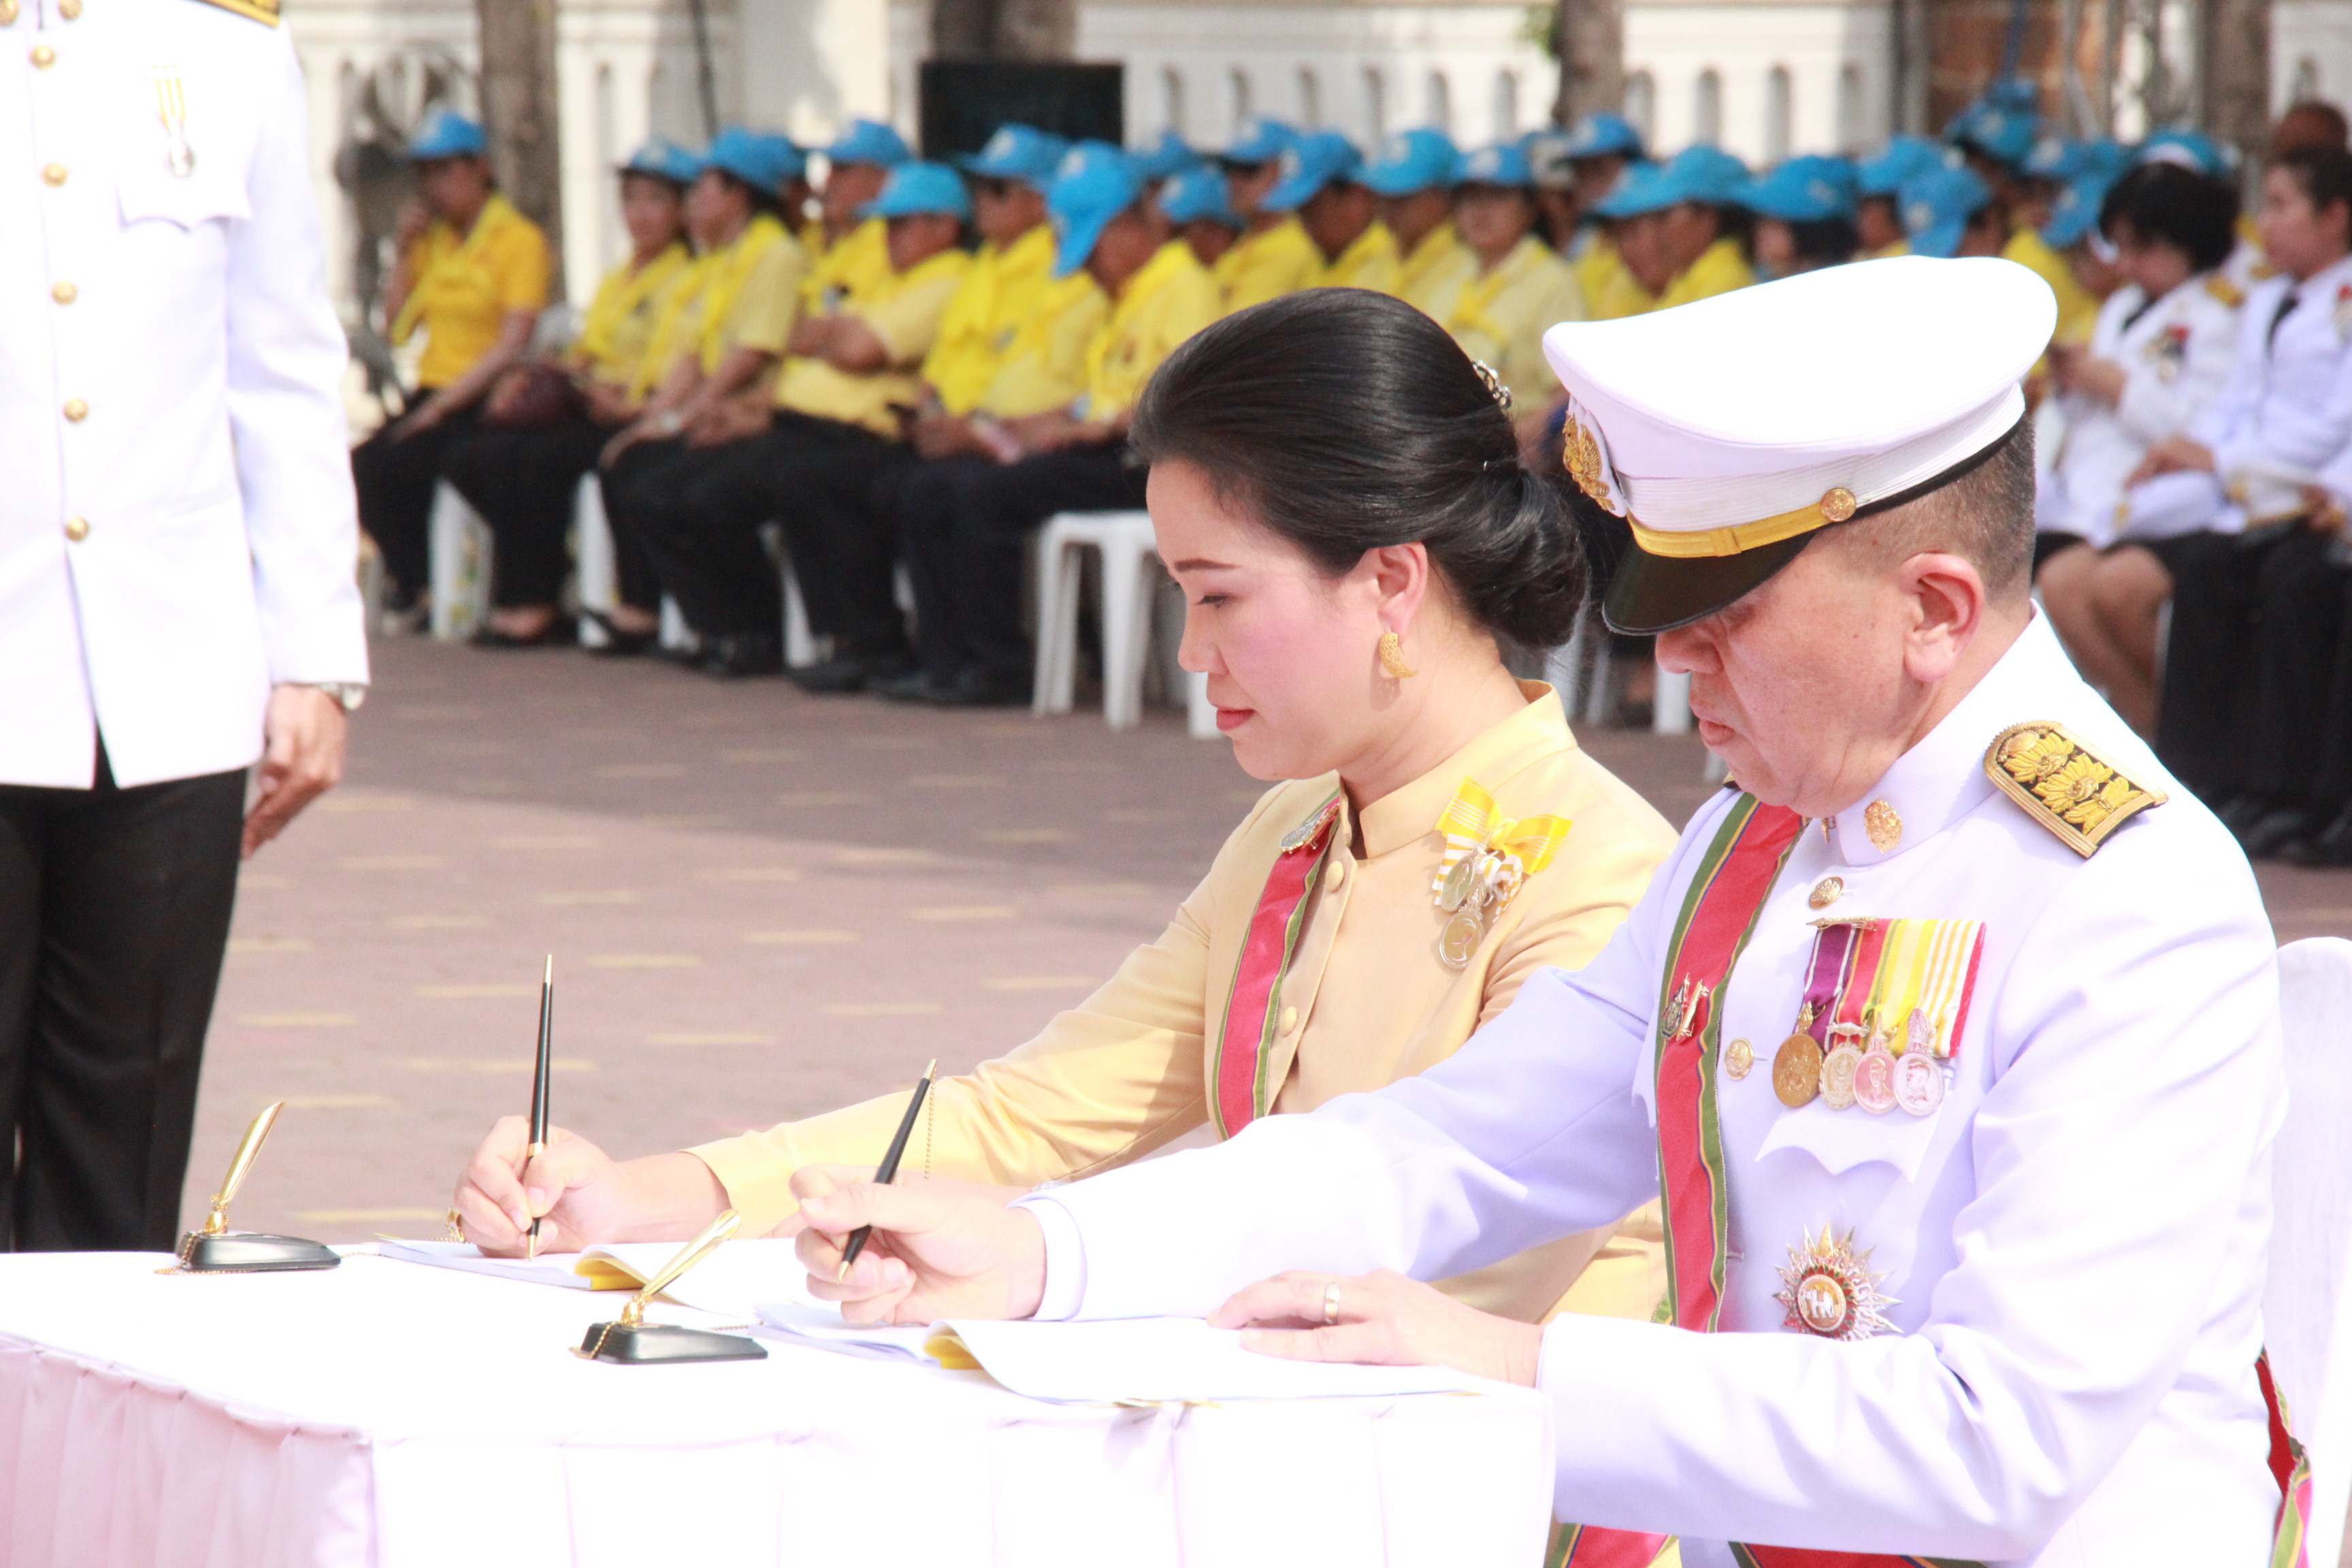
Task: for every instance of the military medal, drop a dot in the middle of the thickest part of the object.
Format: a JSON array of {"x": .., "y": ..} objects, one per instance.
[
  {"x": 1463, "y": 934},
  {"x": 172, "y": 107},
  {"x": 1488, "y": 857},
  {"x": 1838, "y": 1070},
  {"x": 1874, "y": 1081},
  {"x": 1918, "y": 1083},
  {"x": 1828, "y": 1290},
  {"x": 1797, "y": 1070},
  {"x": 1458, "y": 883},
  {"x": 1739, "y": 1058}
]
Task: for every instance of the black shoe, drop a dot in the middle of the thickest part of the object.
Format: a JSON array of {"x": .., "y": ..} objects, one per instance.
[
  {"x": 618, "y": 644},
  {"x": 850, "y": 672},
  {"x": 2331, "y": 845},
  {"x": 2281, "y": 827},
  {"x": 559, "y": 632},
  {"x": 981, "y": 688},
  {"x": 745, "y": 652}
]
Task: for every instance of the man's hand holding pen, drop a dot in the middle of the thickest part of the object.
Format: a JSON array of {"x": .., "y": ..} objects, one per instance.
[{"x": 939, "y": 1248}]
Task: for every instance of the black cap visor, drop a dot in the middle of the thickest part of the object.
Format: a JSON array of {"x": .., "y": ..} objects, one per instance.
[{"x": 1653, "y": 594}]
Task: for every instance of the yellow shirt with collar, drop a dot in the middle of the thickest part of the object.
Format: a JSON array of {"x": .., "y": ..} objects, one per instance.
[
  {"x": 1002, "y": 291},
  {"x": 1267, "y": 265},
  {"x": 903, "y": 311},
  {"x": 1130, "y": 1069},
  {"x": 1720, "y": 269},
  {"x": 1045, "y": 366},
  {"x": 1435, "y": 269},
  {"x": 2078, "y": 310},
  {"x": 1500, "y": 317},
  {"x": 857, "y": 261},
  {"x": 1371, "y": 261},
  {"x": 1610, "y": 289},
  {"x": 618, "y": 329},
  {"x": 467, "y": 285},
  {"x": 745, "y": 294},
  {"x": 1884, "y": 252},
  {"x": 1171, "y": 297}
]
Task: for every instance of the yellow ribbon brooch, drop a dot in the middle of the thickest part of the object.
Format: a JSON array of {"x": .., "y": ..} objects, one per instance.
[{"x": 1487, "y": 857}]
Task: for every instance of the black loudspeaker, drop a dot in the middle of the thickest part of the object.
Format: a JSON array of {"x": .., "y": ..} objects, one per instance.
[{"x": 965, "y": 101}]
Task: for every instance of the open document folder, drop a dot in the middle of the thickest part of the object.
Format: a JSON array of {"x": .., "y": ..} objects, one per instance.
[
  {"x": 729, "y": 1282},
  {"x": 1126, "y": 1361}
]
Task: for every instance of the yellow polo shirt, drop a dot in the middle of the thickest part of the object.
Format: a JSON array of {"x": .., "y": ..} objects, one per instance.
[
  {"x": 1001, "y": 291},
  {"x": 467, "y": 285},
  {"x": 1500, "y": 318},
  {"x": 1267, "y": 265},
  {"x": 618, "y": 329},
  {"x": 1371, "y": 261},
  {"x": 1610, "y": 289},
  {"x": 1169, "y": 299},
  {"x": 903, "y": 309},
  {"x": 1435, "y": 269},
  {"x": 2077, "y": 310},
  {"x": 1044, "y": 365},
  {"x": 745, "y": 294},
  {"x": 857, "y": 261},
  {"x": 1720, "y": 269}
]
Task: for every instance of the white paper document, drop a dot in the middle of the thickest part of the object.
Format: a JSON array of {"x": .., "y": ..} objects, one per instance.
[
  {"x": 1119, "y": 1361},
  {"x": 730, "y": 1282}
]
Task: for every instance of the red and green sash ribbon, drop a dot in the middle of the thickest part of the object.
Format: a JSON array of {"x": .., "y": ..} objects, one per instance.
[
  {"x": 1719, "y": 915},
  {"x": 1239, "y": 1090}
]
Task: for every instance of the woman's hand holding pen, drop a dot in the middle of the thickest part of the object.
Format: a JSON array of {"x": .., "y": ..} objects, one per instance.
[
  {"x": 939, "y": 1248},
  {"x": 582, "y": 1195}
]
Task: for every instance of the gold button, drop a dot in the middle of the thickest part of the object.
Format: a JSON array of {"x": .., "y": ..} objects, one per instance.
[
  {"x": 44, "y": 56},
  {"x": 1338, "y": 872},
  {"x": 77, "y": 529},
  {"x": 70, "y": 9},
  {"x": 1826, "y": 891},
  {"x": 76, "y": 410},
  {"x": 64, "y": 293},
  {"x": 1838, "y": 505},
  {"x": 53, "y": 173},
  {"x": 7, "y": 12},
  {"x": 1289, "y": 1019}
]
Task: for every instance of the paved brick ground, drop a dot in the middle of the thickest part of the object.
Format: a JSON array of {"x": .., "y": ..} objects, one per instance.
[{"x": 760, "y": 904}]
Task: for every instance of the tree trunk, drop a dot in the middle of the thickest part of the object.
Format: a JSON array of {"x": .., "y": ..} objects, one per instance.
[
  {"x": 1588, "y": 37},
  {"x": 2235, "y": 85},
  {"x": 519, "y": 111},
  {"x": 1004, "y": 29}
]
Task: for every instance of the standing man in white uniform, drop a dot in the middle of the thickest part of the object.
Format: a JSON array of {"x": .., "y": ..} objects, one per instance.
[
  {"x": 176, "y": 570},
  {"x": 1951, "y": 1039}
]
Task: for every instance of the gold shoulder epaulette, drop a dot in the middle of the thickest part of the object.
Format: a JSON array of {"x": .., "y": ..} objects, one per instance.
[
  {"x": 264, "y": 11},
  {"x": 2065, "y": 785},
  {"x": 2221, "y": 288}
]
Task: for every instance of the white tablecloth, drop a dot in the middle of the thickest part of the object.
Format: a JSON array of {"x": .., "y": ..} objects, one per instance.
[{"x": 393, "y": 1416}]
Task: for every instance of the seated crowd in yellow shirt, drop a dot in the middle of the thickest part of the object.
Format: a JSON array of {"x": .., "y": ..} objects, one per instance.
[{"x": 1334, "y": 488}]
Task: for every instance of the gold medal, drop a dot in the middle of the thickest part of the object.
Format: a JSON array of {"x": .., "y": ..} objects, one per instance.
[
  {"x": 1463, "y": 934},
  {"x": 1738, "y": 1057},
  {"x": 1918, "y": 1083},
  {"x": 1838, "y": 1069},
  {"x": 1678, "y": 1013},
  {"x": 1828, "y": 1290},
  {"x": 1458, "y": 883},
  {"x": 1874, "y": 1081},
  {"x": 1797, "y": 1071}
]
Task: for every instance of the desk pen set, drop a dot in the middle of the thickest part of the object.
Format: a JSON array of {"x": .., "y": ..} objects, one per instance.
[{"x": 217, "y": 1249}]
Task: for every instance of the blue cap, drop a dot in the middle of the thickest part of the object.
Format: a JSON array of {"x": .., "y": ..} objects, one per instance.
[
  {"x": 761, "y": 159},
  {"x": 447, "y": 133},
  {"x": 2188, "y": 147},
  {"x": 1198, "y": 193},
  {"x": 1804, "y": 190},
  {"x": 1096, "y": 183},
  {"x": 1259, "y": 141},
  {"x": 2002, "y": 124},
  {"x": 1905, "y": 157},
  {"x": 1165, "y": 157},
  {"x": 1496, "y": 164},
  {"x": 1314, "y": 161},
  {"x": 1417, "y": 160},
  {"x": 1017, "y": 152},
  {"x": 1603, "y": 135},
  {"x": 1696, "y": 174},
  {"x": 664, "y": 159},
  {"x": 2075, "y": 213},
  {"x": 915, "y": 189},
  {"x": 868, "y": 142},
  {"x": 1634, "y": 191},
  {"x": 2058, "y": 158},
  {"x": 1936, "y": 206}
]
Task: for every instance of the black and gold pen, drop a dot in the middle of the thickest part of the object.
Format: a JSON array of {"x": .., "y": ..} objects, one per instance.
[{"x": 889, "y": 1170}]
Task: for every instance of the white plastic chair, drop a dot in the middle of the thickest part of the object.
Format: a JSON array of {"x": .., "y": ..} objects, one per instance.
[
  {"x": 598, "y": 573},
  {"x": 1131, "y": 572},
  {"x": 457, "y": 546},
  {"x": 2308, "y": 1308}
]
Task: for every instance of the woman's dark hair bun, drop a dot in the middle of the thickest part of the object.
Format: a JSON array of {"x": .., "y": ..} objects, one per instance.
[{"x": 1345, "y": 421}]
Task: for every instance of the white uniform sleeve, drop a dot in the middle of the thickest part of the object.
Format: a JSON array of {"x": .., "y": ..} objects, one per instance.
[
  {"x": 2153, "y": 408},
  {"x": 285, "y": 359},
  {"x": 2232, "y": 411}
]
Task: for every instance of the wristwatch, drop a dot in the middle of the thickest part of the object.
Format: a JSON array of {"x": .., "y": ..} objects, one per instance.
[{"x": 348, "y": 694}]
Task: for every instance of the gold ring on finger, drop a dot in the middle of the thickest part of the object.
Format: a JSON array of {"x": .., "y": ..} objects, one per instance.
[{"x": 1332, "y": 1302}]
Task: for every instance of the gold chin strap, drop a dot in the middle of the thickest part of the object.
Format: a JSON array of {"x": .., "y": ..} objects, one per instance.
[{"x": 1837, "y": 506}]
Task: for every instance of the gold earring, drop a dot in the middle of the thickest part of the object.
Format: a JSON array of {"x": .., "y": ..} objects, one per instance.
[{"x": 1393, "y": 657}]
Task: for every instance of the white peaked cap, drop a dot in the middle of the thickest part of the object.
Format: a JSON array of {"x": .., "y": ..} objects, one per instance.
[{"x": 1727, "y": 431}]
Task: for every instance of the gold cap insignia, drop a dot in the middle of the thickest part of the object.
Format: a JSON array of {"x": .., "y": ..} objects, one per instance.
[
  {"x": 2065, "y": 784},
  {"x": 1838, "y": 505}
]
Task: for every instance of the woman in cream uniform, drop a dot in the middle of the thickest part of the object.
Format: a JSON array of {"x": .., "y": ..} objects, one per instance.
[{"x": 1338, "y": 491}]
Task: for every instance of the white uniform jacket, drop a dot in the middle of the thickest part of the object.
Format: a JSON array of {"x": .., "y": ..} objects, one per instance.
[
  {"x": 2284, "y": 411},
  {"x": 2075, "y": 1241},
  {"x": 2175, "y": 353},
  {"x": 176, "y": 525}
]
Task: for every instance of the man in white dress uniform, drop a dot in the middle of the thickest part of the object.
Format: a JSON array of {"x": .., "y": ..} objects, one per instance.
[
  {"x": 177, "y": 552},
  {"x": 1949, "y": 1037}
]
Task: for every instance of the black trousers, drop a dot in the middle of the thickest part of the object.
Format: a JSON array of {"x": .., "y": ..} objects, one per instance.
[
  {"x": 965, "y": 522},
  {"x": 828, "y": 483},
  {"x": 114, "y": 911},
  {"x": 2203, "y": 713},
  {"x": 725, "y": 584},
  {"x": 2299, "y": 627},
  {"x": 395, "y": 480},
  {"x": 523, "y": 482}
]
